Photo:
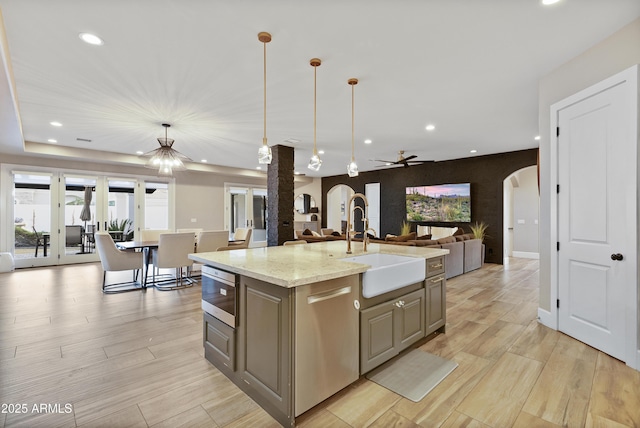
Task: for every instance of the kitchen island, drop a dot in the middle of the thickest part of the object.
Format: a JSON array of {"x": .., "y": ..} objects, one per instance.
[{"x": 303, "y": 329}]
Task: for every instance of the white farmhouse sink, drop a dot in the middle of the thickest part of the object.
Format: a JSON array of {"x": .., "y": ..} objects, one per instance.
[{"x": 388, "y": 272}]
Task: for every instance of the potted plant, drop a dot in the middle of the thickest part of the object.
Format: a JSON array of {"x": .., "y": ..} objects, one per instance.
[
  {"x": 479, "y": 231},
  {"x": 405, "y": 229}
]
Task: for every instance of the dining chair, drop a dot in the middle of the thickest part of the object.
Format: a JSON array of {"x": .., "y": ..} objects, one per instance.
[
  {"x": 211, "y": 240},
  {"x": 39, "y": 241},
  {"x": 113, "y": 259},
  {"x": 240, "y": 234},
  {"x": 243, "y": 239},
  {"x": 152, "y": 234},
  {"x": 73, "y": 235},
  {"x": 296, "y": 242},
  {"x": 173, "y": 252},
  {"x": 195, "y": 232}
]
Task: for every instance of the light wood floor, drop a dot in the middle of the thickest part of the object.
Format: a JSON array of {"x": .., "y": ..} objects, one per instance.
[{"x": 136, "y": 360}]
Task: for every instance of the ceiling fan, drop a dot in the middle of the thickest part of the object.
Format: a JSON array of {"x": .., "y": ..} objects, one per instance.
[{"x": 406, "y": 162}]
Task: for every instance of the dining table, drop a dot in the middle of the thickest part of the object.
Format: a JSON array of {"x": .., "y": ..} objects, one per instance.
[{"x": 144, "y": 246}]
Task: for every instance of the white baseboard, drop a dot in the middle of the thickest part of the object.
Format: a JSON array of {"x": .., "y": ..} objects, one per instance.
[
  {"x": 545, "y": 318},
  {"x": 525, "y": 255}
]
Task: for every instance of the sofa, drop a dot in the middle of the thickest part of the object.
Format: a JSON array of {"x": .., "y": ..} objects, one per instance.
[{"x": 465, "y": 252}]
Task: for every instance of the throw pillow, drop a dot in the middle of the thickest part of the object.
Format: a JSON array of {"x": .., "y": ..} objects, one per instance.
[
  {"x": 307, "y": 232},
  {"x": 315, "y": 234},
  {"x": 458, "y": 231},
  {"x": 402, "y": 238},
  {"x": 424, "y": 237},
  {"x": 336, "y": 233}
]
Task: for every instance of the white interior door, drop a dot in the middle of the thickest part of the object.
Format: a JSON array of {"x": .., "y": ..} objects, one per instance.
[{"x": 596, "y": 175}]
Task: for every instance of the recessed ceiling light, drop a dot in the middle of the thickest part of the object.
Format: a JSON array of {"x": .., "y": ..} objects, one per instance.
[
  {"x": 548, "y": 2},
  {"x": 367, "y": 141},
  {"x": 91, "y": 39},
  {"x": 203, "y": 161},
  {"x": 320, "y": 152},
  {"x": 54, "y": 123},
  {"x": 52, "y": 140},
  {"x": 430, "y": 127},
  {"x": 258, "y": 167},
  {"x": 537, "y": 137},
  {"x": 139, "y": 152},
  {"x": 473, "y": 151}
]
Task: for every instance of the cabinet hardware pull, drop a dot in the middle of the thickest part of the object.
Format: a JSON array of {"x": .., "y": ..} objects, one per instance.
[
  {"x": 437, "y": 279},
  {"x": 328, "y": 295},
  {"x": 438, "y": 266}
]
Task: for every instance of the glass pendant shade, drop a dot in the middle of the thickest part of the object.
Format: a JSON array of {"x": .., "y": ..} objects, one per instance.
[
  {"x": 315, "y": 162},
  {"x": 264, "y": 154},
  {"x": 352, "y": 169},
  {"x": 166, "y": 159}
]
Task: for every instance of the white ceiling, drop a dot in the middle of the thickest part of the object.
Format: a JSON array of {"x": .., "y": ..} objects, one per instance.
[{"x": 470, "y": 67}]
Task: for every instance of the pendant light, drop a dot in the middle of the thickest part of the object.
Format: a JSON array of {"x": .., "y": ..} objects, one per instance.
[
  {"x": 352, "y": 168},
  {"x": 315, "y": 162},
  {"x": 264, "y": 152},
  {"x": 166, "y": 159}
]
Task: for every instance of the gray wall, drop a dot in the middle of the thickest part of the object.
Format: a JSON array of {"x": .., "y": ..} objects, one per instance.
[
  {"x": 485, "y": 173},
  {"x": 614, "y": 54}
]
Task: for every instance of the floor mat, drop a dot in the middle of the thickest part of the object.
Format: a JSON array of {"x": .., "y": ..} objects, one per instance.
[{"x": 413, "y": 375}]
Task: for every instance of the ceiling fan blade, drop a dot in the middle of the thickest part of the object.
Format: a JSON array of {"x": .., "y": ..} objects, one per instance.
[{"x": 408, "y": 158}]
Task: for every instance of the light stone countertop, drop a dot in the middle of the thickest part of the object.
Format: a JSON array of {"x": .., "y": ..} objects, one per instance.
[{"x": 295, "y": 265}]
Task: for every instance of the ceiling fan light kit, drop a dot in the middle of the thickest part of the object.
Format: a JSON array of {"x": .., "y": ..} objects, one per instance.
[
  {"x": 264, "y": 152},
  {"x": 352, "y": 167},
  {"x": 165, "y": 158},
  {"x": 315, "y": 162}
]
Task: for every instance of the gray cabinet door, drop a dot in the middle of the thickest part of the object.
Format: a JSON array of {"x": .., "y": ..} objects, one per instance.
[
  {"x": 219, "y": 342},
  {"x": 411, "y": 315},
  {"x": 388, "y": 328},
  {"x": 436, "y": 303},
  {"x": 265, "y": 342},
  {"x": 377, "y": 335}
]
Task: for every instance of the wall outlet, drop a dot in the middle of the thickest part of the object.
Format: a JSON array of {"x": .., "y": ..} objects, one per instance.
[
  {"x": 520, "y": 221},
  {"x": 194, "y": 220}
]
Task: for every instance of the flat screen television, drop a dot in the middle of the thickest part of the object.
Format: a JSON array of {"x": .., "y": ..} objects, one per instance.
[{"x": 442, "y": 203}]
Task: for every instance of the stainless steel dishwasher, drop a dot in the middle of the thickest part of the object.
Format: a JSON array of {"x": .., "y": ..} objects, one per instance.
[{"x": 327, "y": 340}]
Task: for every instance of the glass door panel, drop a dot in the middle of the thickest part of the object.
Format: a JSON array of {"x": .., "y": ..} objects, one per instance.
[
  {"x": 121, "y": 209},
  {"x": 259, "y": 221},
  {"x": 156, "y": 206},
  {"x": 78, "y": 219},
  {"x": 247, "y": 207},
  {"x": 32, "y": 219}
]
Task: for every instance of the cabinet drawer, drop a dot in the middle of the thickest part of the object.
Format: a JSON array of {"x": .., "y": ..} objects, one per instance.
[
  {"x": 219, "y": 342},
  {"x": 435, "y": 266}
]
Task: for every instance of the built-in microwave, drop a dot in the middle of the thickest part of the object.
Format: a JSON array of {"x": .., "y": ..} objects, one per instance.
[{"x": 220, "y": 294}]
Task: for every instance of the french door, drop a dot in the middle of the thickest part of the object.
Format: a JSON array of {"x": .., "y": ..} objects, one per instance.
[
  {"x": 51, "y": 218},
  {"x": 247, "y": 207}
]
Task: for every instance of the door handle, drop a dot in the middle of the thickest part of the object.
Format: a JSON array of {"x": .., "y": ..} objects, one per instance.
[{"x": 617, "y": 257}]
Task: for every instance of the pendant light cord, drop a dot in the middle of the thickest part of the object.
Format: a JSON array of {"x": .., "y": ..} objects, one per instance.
[
  {"x": 352, "y": 125},
  {"x": 264, "y": 137},
  {"x": 315, "y": 69}
]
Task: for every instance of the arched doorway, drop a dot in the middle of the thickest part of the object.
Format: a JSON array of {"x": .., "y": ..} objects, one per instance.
[
  {"x": 337, "y": 199},
  {"x": 521, "y": 213}
]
